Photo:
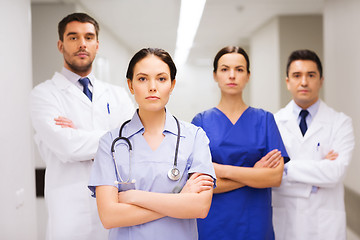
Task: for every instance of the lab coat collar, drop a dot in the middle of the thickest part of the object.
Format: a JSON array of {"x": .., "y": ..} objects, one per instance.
[
  {"x": 135, "y": 125},
  {"x": 290, "y": 120},
  {"x": 63, "y": 83}
]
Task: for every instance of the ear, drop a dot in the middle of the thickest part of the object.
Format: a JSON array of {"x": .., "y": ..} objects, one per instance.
[
  {"x": 129, "y": 82},
  {"x": 60, "y": 46},
  {"x": 287, "y": 83},
  {"x": 214, "y": 76},
  {"x": 97, "y": 46},
  {"x": 321, "y": 81},
  {"x": 173, "y": 82},
  {"x": 248, "y": 78}
]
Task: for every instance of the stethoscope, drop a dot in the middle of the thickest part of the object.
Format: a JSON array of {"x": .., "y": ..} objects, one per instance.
[{"x": 173, "y": 173}]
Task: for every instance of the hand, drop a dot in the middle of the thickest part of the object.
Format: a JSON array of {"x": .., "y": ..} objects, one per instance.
[
  {"x": 331, "y": 155},
  {"x": 197, "y": 183},
  {"x": 270, "y": 160},
  {"x": 64, "y": 122}
]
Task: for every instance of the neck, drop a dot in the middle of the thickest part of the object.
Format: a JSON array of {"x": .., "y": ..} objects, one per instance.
[
  {"x": 231, "y": 103},
  {"x": 305, "y": 105},
  {"x": 78, "y": 72},
  {"x": 153, "y": 122}
]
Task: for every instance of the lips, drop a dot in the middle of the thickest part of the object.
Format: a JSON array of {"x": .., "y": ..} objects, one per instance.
[
  {"x": 152, "y": 98},
  {"x": 303, "y": 91},
  {"x": 82, "y": 54},
  {"x": 231, "y": 84}
]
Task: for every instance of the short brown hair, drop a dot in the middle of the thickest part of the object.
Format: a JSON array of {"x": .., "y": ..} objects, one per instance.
[{"x": 79, "y": 17}]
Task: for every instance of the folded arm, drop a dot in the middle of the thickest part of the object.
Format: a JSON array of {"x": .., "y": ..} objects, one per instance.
[
  {"x": 184, "y": 205},
  {"x": 135, "y": 207},
  {"x": 70, "y": 143},
  {"x": 266, "y": 173},
  {"x": 331, "y": 170}
]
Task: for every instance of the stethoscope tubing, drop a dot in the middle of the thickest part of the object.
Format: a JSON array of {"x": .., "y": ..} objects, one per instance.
[{"x": 171, "y": 174}]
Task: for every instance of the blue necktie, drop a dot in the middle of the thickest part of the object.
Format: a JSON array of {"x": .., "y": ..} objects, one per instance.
[
  {"x": 303, "y": 125},
  {"x": 85, "y": 83}
]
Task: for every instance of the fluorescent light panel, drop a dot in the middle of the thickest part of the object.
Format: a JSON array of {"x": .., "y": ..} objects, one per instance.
[{"x": 190, "y": 15}]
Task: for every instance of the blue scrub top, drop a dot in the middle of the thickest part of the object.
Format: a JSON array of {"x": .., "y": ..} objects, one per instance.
[
  {"x": 149, "y": 168},
  {"x": 244, "y": 213}
]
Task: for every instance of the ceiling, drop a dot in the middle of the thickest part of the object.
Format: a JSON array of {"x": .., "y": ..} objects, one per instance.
[{"x": 153, "y": 23}]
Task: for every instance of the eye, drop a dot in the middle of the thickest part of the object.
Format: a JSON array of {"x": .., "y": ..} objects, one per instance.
[
  {"x": 240, "y": 70},
  {"x": 223, "y": 69},
  {"x": 141, "y": 79},
  {"x": 162, "y": 79},
  {"x": 73, "y": 38}
]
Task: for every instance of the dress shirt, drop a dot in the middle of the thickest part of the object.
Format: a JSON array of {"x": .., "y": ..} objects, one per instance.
[{"x": 74, "y": 78}]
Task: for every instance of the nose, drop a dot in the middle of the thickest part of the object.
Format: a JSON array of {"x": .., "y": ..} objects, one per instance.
[
  {"x": 304, "y": 81},
  {"x": 152, "y": 85},
  {"x": 232, "y": 74},
  {"x": 82, "y": 43}
]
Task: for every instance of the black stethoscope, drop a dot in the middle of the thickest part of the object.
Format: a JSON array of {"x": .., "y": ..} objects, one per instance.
[{"x": 174, "y": 172}]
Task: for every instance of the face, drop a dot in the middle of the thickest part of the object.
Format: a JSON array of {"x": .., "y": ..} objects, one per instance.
[
  {"x": 79, "y": 47},
  {"x": 151, "y": 84},
  {"x": 304, "y": 82},
  {"x": 231, "y": 74}
]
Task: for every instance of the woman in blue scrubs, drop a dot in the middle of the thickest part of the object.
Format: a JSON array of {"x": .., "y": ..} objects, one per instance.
[
  {"x": 145, "y": 207},
  {"x": 248, "y": 156}
]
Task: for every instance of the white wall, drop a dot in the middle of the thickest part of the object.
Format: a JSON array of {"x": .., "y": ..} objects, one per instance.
[
  {"x": 17, "y": 164},
  {"x": 265, "y": 67},
  {"x": 195, "y": 91},
  {"x": 270, "y": 46},
  {"x": 298, "y": 32},
  {"x": 342, "y": 85},
  {"x": 342, "y": 71}
]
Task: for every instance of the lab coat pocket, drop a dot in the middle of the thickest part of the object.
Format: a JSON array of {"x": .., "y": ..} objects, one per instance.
[
  {"x": 331, "y": 225},
  {"x": 279, "y": 221}
]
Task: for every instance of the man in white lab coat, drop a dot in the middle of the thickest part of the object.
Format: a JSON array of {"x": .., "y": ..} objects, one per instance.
[
  {"x": 309, "y": 204},
  {"x": 70, "y": 113}
]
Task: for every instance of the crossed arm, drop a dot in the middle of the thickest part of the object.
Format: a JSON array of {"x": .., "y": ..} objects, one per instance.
[
  {"x": 267, "y": 172},
  {"x": 137, "y": 207}
]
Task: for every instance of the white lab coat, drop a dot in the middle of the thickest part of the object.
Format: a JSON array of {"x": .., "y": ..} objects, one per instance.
[
  {"x": 298, "y": 213},
  {"x": 68, "y": 153}
]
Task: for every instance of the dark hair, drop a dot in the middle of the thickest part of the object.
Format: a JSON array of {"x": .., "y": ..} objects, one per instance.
[
  {"x": 304, "y": 54},
  {"x": 160, "y": 53},
  {"x": 231, "y": 49},
  {"x": 78, "y": 17}
]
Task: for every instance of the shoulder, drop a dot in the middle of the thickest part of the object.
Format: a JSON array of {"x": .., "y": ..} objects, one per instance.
[
  {"x": 205, "y": 116},
  {"x": 190, "y": 130},
  {"x": 329, "y": 114},
  {"x": 260, "y": 114},
  {"x": 284, "y": 113},
  {"x": 108, "y": 137},
  {"x": 46, "y": 85},
  {"x": 46, "y": 90}
]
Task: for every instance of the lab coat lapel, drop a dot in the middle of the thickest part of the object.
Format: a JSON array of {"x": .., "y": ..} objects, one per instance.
[
  {"x": 318, "y": 122},
  {"x": 290, "y": 122},
  {"x": 69, "y": 88},
  {"x": 98, "y": 90}
]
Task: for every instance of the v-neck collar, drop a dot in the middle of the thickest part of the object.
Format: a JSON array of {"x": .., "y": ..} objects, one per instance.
[
  {"x": 135, "y": 125},
  {"x": 238, "y": 120}
]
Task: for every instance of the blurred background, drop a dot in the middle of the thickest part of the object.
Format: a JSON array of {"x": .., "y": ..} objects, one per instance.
[{"x": 268, "y": 29}]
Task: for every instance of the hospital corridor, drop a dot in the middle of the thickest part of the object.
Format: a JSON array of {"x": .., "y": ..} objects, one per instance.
[{"x": 267, "y": 30}]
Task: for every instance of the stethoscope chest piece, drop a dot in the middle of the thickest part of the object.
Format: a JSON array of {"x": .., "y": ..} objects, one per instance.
[{"x": 174, "y": 174}]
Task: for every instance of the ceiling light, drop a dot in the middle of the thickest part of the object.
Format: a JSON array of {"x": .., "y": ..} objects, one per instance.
[{"x": 190, "y": 15}]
